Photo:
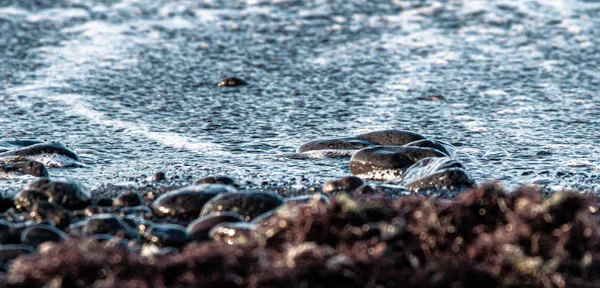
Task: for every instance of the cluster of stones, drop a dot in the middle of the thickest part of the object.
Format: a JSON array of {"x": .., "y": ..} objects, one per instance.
[
  {"x": 31, "y": 157},
  {"x": 400, "y": 157}
]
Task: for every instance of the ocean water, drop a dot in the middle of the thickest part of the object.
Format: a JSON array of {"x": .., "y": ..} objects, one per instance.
[{"x": 131, "y": 85}]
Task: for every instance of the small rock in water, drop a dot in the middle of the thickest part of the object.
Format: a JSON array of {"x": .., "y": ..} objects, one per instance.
[
  {"x": 38, "y": 234},
  {"x": 388, "y": 162},
  {"x": 128, "y": 199},
  {"x": 159, "y": 176},
  {"x": 199, "y": 228},
  {"x": 435, "y": 144},
  {"x": 48, "y": 211},
  {"x": 64, "y": 192},
  {"x": 188, "y": 201},
  {"x": 105, "y": 224},
  {"x": 25, "y": 199},
  {"x": 247, "y": 204},
  {"x": 241, "y": 233},
  {"x": 50, "y": 154},
  {"x": 344, "y": 184},
  {"x": 383, "y": 137},
  {"x": 450, "y": 179},
  {"x": 219, "y": 179},
  {"x": 7, "y": 145},
  {"x": 166, "y": 235},
  {"x": 232, "y": 81},
  {"x": 13, "y": 170}
]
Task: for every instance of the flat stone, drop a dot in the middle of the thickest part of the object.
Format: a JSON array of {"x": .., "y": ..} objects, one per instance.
[
  {"x": 388, "y": 162},
  {"x": 383, "y": 137},
  {"x": 188, "y": 201},
  {"x": 50, "y": 154}
]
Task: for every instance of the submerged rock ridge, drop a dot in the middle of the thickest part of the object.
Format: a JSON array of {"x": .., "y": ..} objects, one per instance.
[{"x": 400, "y": 156}]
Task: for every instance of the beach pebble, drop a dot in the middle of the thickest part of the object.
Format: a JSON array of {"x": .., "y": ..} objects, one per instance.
[
  {"x": 232, "y": 81},
  {"x": 105, "y": 224},
  {"x": 13, "y": 170},
  {"x": 388, "y": 162},
  {"x": 443, "y": 147},
  {"x": 219, "y": 179},
  {"x": 51, "y": 154},
  {"x": 199, "y": 228},
  {"x": 25, "y": 199},
  {"x": 240, "y": 233},
  {"x": 344, "y": 184},
  {"x": 159, "y": 176},
  {"x": 64, "y": 192},
  {"x": 247, "y": 204},
  {"x": 450, "y": 179},
  {"x": 382, "y": 137},
  {"x": 38, "y": 234},
  {"x": 166, "y": 235},
  {"x": 41, "y": 211},
  {"x": 128, "y": 199},
  {"x": 188, "y": 201}
]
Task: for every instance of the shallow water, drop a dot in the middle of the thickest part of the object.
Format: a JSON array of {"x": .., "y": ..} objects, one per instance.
[{"x": 132, "y": 86}]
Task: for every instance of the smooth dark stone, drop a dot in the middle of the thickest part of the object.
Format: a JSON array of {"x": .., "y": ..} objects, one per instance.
[
  {"x": 128, "y": 199},
  {"x": 450, "y": 179},
  {"x": 32, "y": 168},
  {"x": 104, "y": 202},
  {"x": 137, "y": 223},
  {"x": 48, "y": 211},
  {"x": 12, "y": 251},
  {"x": 383, "y": 137},
  {"x": 308, "y": 198},
  {"x": 247, "y": 204},
  {"x": 428, "y": 166},
  {"x": 232, "y": 81},
  {"x": 136, "y": 210},
  {"x": 25, "y": 199},
  {"x": 39, "y": 234},
  {"x": 240, "y": 233},
  {"x": 188, "y": 201},
  {"x": 54, "y": 148},
  {"x": 435, "y": 144},
  {"x": 7, "y": 145},
  {"x": 388, "y": 162},
  {"x": 219, "y": 179},
  {"x": 106, "y": 224},
  {"x": 199, "y": 228},
  {"x": 344, "y": 184},
  {"x": 159, "y": 176},
  {"x": 64, "y": 192},
  {"x": 9, "y": 232},
  {"x": 166, "y": 235}
]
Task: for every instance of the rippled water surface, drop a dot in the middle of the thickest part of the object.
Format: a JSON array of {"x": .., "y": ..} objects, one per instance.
[{"x": 131, "y": 85}]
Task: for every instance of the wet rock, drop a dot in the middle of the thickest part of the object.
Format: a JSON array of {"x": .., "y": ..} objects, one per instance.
[
  {"x": 232, "y": 81},
  {"x": 450, "y": 179},
  {"x": 428, "y": 166},
  {"x": 199, "y": 228},
  {"x": 51, "y": 154},
  {"x": 142, "y": 211},
  {"x": 105, "y": 224},
  {"x": 39, "y": 234},
  {"x": 128, "y": 199},
  {"x": 137, "y": 223},
  {"x": 388, "y": 162},
  {"x": 219, "y": 179},
  {"x": 7, "y": 145},
  {"x": 48, "y": 211},
  {"x": 248, "y": 204},
  {"x": 383, "y": 137},
  {"x": 166, "y": 235},
  {"x": 64, "y": 192},
  {"x": 239, "y": 234},
  {"x": 5, "y": 203},
  {"x": 104, "y": 202},
  {"x": 344, "y": 184},
  {"x": 12, "y": 251},
  {"x": 307, "y": 199},
  {"x": 159, "y": 176},
  {"x": 443, "y": 147},
  {"x": 188, "y": 201},
  {"x": 13, "y": 170},
  {"x": 25, "y": 199},
  {"x": 9, "y": 232}
]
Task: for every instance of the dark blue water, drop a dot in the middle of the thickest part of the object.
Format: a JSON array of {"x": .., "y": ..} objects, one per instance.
[{"x": 132, "y": 85}]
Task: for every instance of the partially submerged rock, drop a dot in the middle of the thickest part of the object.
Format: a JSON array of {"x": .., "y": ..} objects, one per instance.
[{"x": 383, "y": 137}]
